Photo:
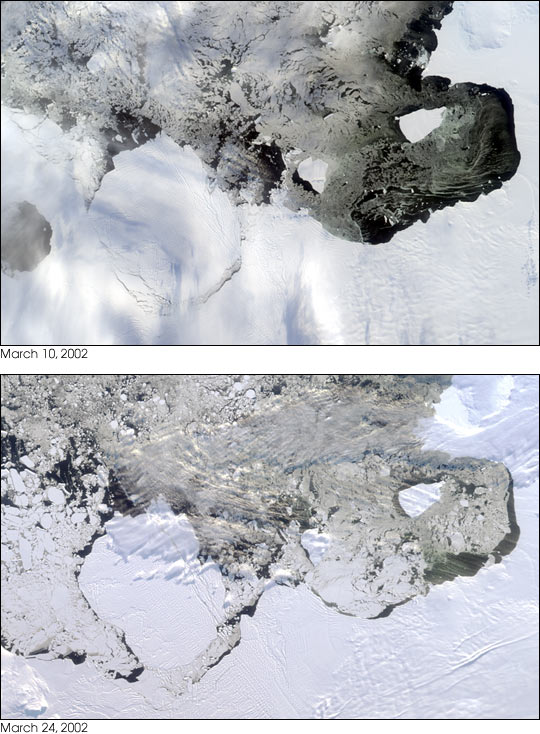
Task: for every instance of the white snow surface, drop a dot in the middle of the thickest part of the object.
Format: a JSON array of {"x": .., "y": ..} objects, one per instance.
[
  {"x": 416, "y": 500},
  {"x": 313, "y": 171},
  {"x": 416, "y": 125},
  {"x": 160, "y": 257},
  {"x": 144, "y": 577},
  {"x": 23, "y": 691},
  {"x": 469, "y": 649},
  {"x": 316, "y": 544}
]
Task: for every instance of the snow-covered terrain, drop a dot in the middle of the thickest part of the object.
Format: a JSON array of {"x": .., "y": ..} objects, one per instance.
[
  {"x": 469, "y": 649},
  {"x": 416, "y": 500},
  {"x": 416, "y": 125},
  {"x": 162, "y": 256}
]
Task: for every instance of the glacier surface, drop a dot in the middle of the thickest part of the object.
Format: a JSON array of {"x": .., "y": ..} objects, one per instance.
[
  {"x": 152, "y": 252},
  {"x": 468, "y": 649}
]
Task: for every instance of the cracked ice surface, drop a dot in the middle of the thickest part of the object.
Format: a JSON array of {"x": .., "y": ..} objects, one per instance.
[
  {"x": 197, "y": 269},
  {"x": 151, "y": 599}
]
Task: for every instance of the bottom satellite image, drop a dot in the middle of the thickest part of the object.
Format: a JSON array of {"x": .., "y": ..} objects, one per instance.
[{"x": 269, "y": 546}]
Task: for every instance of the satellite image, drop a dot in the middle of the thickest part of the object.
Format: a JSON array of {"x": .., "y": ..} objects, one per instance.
[
  {"x": 269, "y": 546},
  {"x": 270, "y": 173}
]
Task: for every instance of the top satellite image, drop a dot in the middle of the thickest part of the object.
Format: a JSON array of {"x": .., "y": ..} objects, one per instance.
[{"x": 269, "y": 173}]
